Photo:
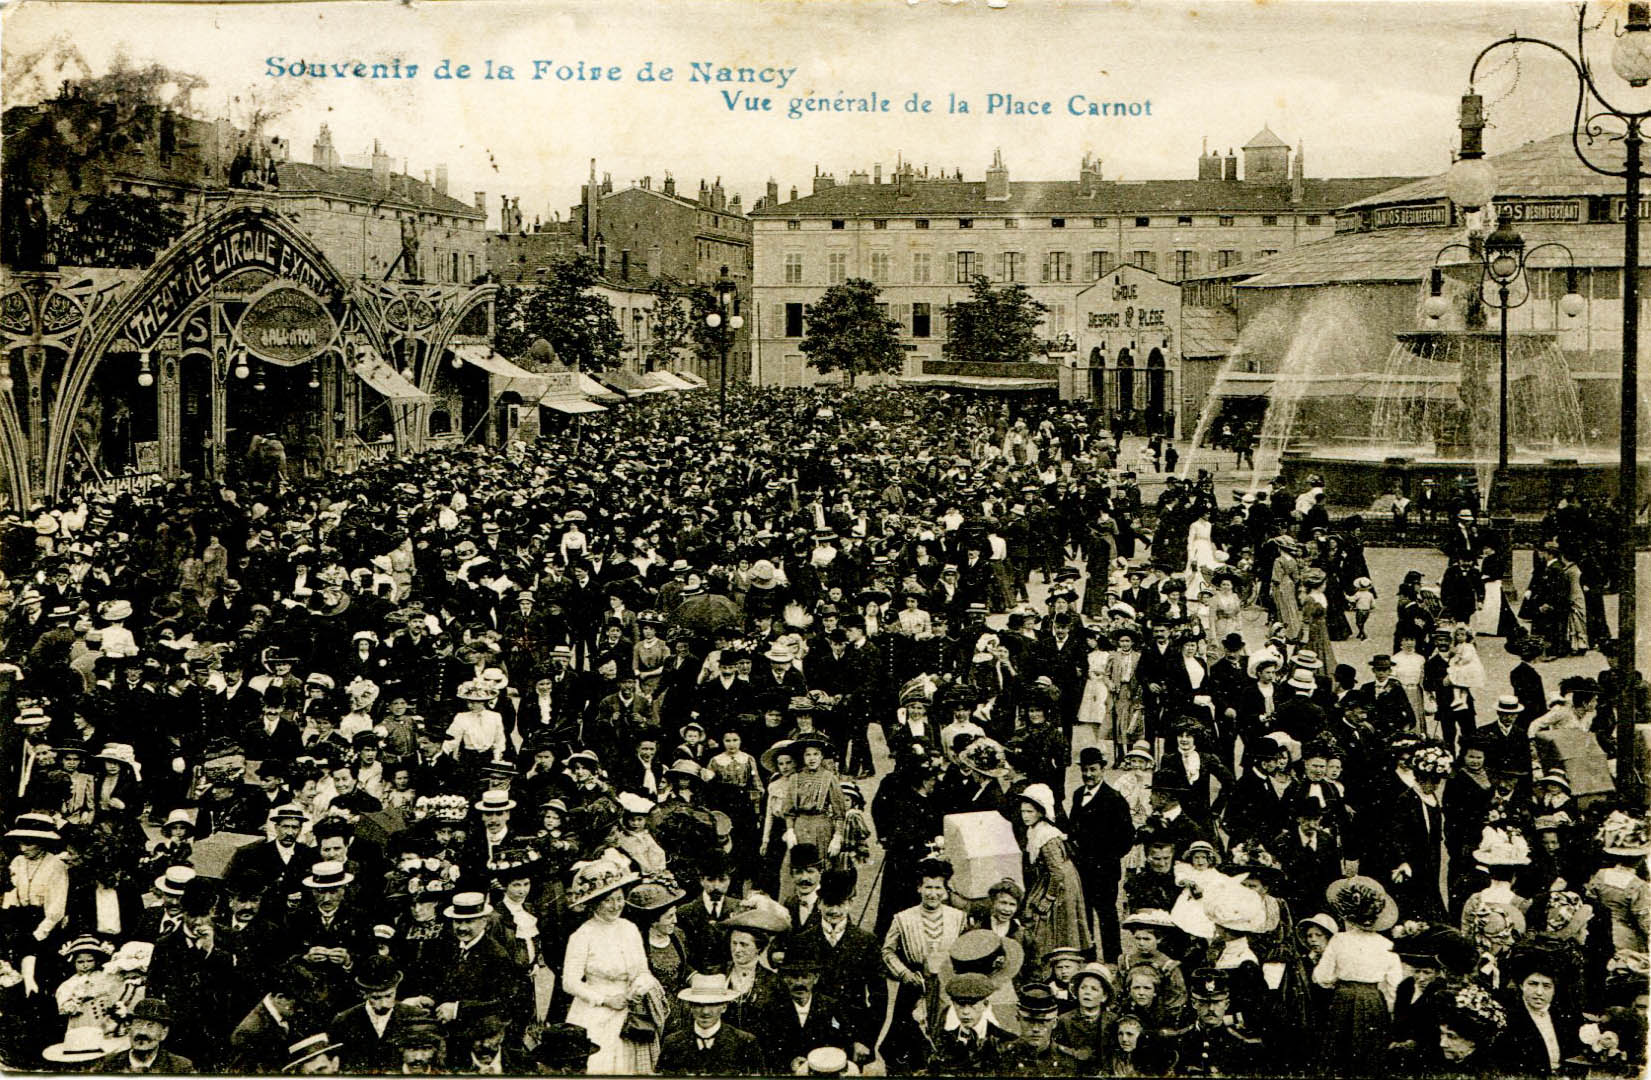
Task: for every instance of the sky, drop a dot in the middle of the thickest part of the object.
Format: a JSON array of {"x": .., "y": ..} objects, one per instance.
[{"x": 1367, "y": 89}]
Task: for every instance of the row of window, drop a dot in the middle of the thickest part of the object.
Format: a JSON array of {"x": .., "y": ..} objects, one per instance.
[
  {"x": 1141, "y": 222},
  {"x": 916, "y": 320},
  {"x": 1010, "y": 266}
]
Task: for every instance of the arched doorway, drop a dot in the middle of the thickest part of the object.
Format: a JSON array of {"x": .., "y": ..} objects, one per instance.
[
  {"x": 1097, "y": 375},
  {"x": 1155, "y": 392},
  {"x": 1123, "y": 401}
]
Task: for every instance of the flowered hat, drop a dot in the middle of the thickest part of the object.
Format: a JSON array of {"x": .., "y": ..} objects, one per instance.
[
  {"x": 1502, "y": 847},
  {"x": 1362, "y": 902},
  {"x": 596, "y": 879},
  {"x": 1621, "y": 834},
  {"x": 1432, "y": 760},
  {"x": 1472, "y": 1011}
]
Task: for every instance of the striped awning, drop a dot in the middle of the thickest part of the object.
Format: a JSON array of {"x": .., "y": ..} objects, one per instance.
[{"x": 377, "y": 373}]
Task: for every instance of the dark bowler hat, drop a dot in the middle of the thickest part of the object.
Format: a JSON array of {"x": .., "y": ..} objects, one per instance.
[{"x": 1091, "y": 755}]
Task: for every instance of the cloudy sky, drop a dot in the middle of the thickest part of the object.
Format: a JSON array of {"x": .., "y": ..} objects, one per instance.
[{"x": 1369, "y": 89}]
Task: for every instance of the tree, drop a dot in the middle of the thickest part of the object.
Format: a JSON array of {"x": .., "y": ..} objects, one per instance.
[
  {"x": 510, "y": 336},
  {"x": 995, "y": 325},
  {"x": 708, "y": 340},
  {"x": 848, "y": 331},
  {"x": 672, "y": 325},
  {"x": 578, "y": 323}
]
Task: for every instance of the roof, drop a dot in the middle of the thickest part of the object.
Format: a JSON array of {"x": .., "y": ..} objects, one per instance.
[
  {"x": 1066, "y": 197},
  {"x": 1544, "y": 167},
  {"x": 1405, "y": 255},
  {"x": 1208, "y": 331},
  {"x": 677, "y": 200},
  {"x": 1265, "y": 139},
  {"x": 349, "y": 182}
]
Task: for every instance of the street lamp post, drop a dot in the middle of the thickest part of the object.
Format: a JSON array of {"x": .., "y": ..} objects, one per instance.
[
  {"x": 1471, "y": 184},
  {"x": 727, "y": 310},
  {"x": 1503, "y": 260}
]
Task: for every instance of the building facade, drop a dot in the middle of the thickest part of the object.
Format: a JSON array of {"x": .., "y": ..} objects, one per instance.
[
  {"x": 181, "y": 290},
  {"x": 923, "y": 238}
]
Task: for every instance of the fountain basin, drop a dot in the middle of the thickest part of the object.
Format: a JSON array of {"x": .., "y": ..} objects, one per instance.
[{"x": 1355, "y": 476}]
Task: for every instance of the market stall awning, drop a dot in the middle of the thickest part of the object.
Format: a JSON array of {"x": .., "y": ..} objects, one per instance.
[
  {"x": 694, "y": 381},
  {"x": 570, "y": 404},
  {"x": 664, "y": 380},
  {"x": 378, "y": 374},
  {"x": 627, "y": 383},
  {"x": 980, "y": 382},
  {"x": 519, "y": 379},
  {"x": 595, "y": 390}
]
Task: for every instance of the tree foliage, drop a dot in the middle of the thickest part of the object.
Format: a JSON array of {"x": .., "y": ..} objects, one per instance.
[
  {"x": 565, "y": 311},
  {"x": 847, "y": 331},
  {"x": 708, "y": 340},
  {"x": 995, "y": 325},
  {"x": 672, "y": 325}
]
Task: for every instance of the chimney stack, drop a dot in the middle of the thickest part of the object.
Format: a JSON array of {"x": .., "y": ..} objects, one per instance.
[
  {"x": 906, "y": 181},
  {"x": 647, "y": 183},
  {"x": 997, "y": 179},
  {"x": 1209, "y": 162},
  {"x": 734, "y": 205},
  {"x": 704, "y": 193},
  {"x": 441, "y": 179},
  {"x": 773, "y": 192},
  {"x": 1229, "y": 167},
  {"x": 481, "y": 204},
  {"x": 381, "y": 167},
  {"x": 625, "y": 264},
  {"x": 322, "y": 154},
  {"x": 670, "y": 184},
  {"x": 793, "y": 192},
  {"x": 1089, "y": 176},
  {"x": 877, "y": 173},
  {"x": 1298, "y": 185}
]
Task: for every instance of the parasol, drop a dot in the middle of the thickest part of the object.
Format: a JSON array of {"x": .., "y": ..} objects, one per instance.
[{"x": 707, "y": 613}]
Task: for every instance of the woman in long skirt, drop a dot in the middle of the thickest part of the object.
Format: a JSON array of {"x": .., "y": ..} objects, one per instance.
[
  {"x": 1054, "y": 913},
  {"x": 1286, "y": 571},
  {"x": 1093, "y": 724},
  {"x": 1363, "y": 974}
]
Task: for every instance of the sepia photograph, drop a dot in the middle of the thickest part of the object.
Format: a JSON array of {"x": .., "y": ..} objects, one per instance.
[{"x": 755, "y": 538}]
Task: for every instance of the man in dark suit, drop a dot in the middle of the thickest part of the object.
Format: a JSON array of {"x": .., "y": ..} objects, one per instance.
[
  {"x": 804, "y": 901},
  {"x": 1099, "y": 826},
  {"x": 1309, "y": 854},
  {"x": 1255, "y": 809},
  {"x": 368, "y": 1030},
  {"x": 789, "y": 1025},
  {"x": 259, "y": 1042},
  {"x": 1386, "y": 698},
  {"x": 470, "y": 974},
  {"x": 707, "y": 1046},
  {"x": 151, "y": 1023},
  {"x": 852, "y": 973},
  {"x": 283, "y": 862},
  {"x": 698, "y": 918}
]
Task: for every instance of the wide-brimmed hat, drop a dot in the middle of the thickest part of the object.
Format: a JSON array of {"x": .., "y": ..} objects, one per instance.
[
  {"x": 34, "y": 827},
  {"x": 114, "y": 610},
  {"x": 986, "y": 953},
  {"x": 654, "y": 896},
  {"x": 467, "y": 905},
  {"x": 1502, "y": 847},
  {"x": 585, "y": 757},
  {"x": 1149, "y": 919},
  {"x": 31, "y": 716},
  {"x": 328, "y": 874},
  {"x": 687, "y": 767},
  {"x": 1621, "y": 834},
  {"x": 81, "y": 1044},
  {"x": 1323, "y": 921},
  {"x": 770, "y": 756},
  {"x": 1361, "y": 901},
  {"x": 632, "y": 803},
  {"x": 494, "y": 801},
  {"x": 1139, "y": 750},
  {"x": 596, "y": 879},
  {"x": 86, "y": 943},
  {"x": 561, "y": 1045},
  {"x": 1041, "y": 797},
  {"x": 475, "y": 690},
  {"x": 311, "y": 1046},
  {"x": 707, "y": 990}
]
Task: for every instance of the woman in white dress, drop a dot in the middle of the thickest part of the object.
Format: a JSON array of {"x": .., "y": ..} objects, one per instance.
[
  {"x": 1200, "y": 551},
  {"x": 606, "y": 970},
  {"x": 1094, "y": 721}
]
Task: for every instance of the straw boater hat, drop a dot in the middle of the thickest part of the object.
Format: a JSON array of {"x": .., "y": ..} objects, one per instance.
[
  {"x": 467, "y": 905},
  {"x": 707, "y": 990},
  {"x": 83, "y": 1044},
  {"x": 34, "y": 827},
  {"x": 329, "y": 874},
  {"x": 494, "y": 801},
  {"x": 1362, "y": 902},
  {"x": 305, "y": 1049}
]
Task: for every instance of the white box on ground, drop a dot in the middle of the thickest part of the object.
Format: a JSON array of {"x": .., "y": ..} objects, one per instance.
[{"x": 982, "y": 850}]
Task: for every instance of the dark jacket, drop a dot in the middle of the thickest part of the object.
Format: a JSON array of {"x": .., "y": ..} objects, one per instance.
[
  {"x": 784, "y": 1039},
  {"x": 364, "y": 1050},
  {"x": 733, "y": 1053}
]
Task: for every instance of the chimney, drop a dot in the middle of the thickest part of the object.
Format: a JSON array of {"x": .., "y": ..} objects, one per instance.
[
  {"x": 1089, "y": 176},
  {"x": 823, "y": 181},
  {"x": 670, "y": 184},
  {"x": 427, "y": 178},
  {"x": 322, "y": 154},
  {"x": 859, "y": 176},
  {"x": 607, "y": 183},
  {"x": 734, "y": 205},
  {"x": 877, "y": 173},
  {"x": 1229, "y": 167},
  {"x": 506, "y": 225},
  {"x": 1298, "y": 185},
  {"x": 647, "y": 183},
  {"x": 997, "y": 179},
  {"x": 590, "y": 200},
  {"x": 793, "y": 192},
  {"x": 654, "y": 260},
  {"x": 1209, "y": 162},
  {"x": 441, "y": 179},
  {"x": 773, "y": 197},
  {"x": 381, "y": 167},
  {"x": 704, "y": 193},
  {"x": 906, "y": 182}
]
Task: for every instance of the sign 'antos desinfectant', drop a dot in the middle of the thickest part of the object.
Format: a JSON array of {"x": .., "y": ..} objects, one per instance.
[{"x": 286, "y": 325}]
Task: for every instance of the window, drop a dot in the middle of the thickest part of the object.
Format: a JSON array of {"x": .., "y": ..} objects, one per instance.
[
  {"x": 1056, "y": 322},
  {"x": 1186, "y": 263},
  {"x": 920, "y": 223},
  {"x": 838, "y": 223},
  {"x": 1098, "y": 223},
  {"x": 1100, "y": 264},
  {"x": 968, "y": 266},
  {"x": 920, "y": 320},
  {"x": 1057, "y": 266},
  {"x": 1011, "y": 223},
  {"x": 879, "y": 266},
  {"x": 879, "y": 223},
  {"x": 1606, "y": 285},
  {"x": 793, "y": 268},
  {"x": 1228, "y": 258},
  {"x": 1312, "y": 219},
  {"x": 1057, "y": 223},
  {"x": 793, "y": 320},
  {"x": 1012, "y": 266},
  {"x": 1142, "y": 222},
  {"x": 455, "y": 266},
  {"x": 836, "y": 267},
  {"x": 1225, "y": 219},
  {"x": 920, "y": 268},
  {"x": 793, "y": 225},
  {"x": 1146, "y": 260},
  {"x": 1269, "y": 219},
  {"x": 1264, "y": 252},
  {"x": 965, "y": 222},
  {"x": 1184, "y": 219}
]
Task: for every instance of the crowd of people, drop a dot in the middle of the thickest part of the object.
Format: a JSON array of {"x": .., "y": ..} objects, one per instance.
[{"x": 559, "y": 758}]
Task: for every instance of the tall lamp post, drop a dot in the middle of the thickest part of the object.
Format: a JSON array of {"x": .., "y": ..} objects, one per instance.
[
  {"x": 1503, "y": 260},
  {"x": 727, "y": 310},
  {"x": 1471, "y": 184}
]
